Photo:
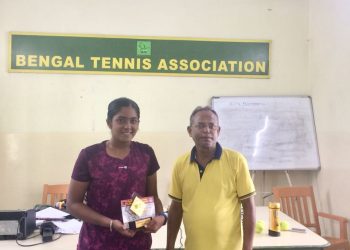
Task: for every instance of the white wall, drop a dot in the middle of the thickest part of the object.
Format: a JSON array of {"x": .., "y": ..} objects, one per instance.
[
  {"x": 284, "y": 22},
  {"x": 47, "y": 118},
  {"x": 329, "y": 75}
]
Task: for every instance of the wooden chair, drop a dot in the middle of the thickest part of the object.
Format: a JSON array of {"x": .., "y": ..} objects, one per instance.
[
  {"x": 54, "y": 193},
  {"x": 299, "y": 203}
]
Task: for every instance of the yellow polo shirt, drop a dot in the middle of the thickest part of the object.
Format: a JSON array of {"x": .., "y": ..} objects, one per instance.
[{"x": 211, "y": 204}]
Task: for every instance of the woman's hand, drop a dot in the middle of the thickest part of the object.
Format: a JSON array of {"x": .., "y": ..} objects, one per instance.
[
  {"x": 119, "y": 227},
  {"x": 154, "y": 225}
]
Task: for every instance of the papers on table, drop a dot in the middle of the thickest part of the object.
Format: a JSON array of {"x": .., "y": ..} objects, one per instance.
[
  {"x": 65, "y": 226},
  {"x": 72, "y": 226},
  {"x": 51, "y": 213}
]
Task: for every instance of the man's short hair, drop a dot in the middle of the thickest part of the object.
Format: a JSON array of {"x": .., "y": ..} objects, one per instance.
[{"x": 201, "y": 108}]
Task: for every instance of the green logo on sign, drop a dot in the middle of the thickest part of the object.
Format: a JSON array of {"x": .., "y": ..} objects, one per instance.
[{"x": 144, "y": 48}]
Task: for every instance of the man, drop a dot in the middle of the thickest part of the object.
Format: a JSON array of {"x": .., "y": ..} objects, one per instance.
[{"x": 209, "y": 187}]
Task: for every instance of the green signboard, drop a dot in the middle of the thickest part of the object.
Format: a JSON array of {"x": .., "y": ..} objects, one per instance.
[{"x": 64, "y": 53}]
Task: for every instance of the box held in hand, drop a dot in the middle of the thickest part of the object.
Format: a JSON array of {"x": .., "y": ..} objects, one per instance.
[{"x": 138, "y": 211}]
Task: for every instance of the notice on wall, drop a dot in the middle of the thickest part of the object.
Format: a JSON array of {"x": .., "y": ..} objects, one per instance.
[{"x": 97, "y": 54}]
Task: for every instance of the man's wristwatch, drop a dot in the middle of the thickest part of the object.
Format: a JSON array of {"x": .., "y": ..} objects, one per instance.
[{"x": 165, "y": 215}]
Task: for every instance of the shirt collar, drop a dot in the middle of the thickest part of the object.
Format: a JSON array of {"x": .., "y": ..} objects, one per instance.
[{"x": 217, "y": 154}]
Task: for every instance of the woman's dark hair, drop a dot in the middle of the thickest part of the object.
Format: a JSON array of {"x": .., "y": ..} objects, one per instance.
[{"x": 116, "y": 105}]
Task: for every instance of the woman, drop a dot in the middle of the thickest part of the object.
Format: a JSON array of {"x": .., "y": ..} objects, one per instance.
[{"x": 111, "y": 171}]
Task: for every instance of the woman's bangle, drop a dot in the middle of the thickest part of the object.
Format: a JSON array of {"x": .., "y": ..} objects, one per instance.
[
  {"x": 111, "y": 226},
  {"x": 165, "y": 215}
]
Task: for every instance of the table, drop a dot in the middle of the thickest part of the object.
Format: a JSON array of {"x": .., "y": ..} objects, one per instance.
[{"x": 288, "y": 240}]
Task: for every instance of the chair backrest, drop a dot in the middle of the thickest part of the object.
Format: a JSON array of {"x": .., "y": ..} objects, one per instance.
[
  {"x": 54, "y": 193},
  {"x": 299, "y": 203}
]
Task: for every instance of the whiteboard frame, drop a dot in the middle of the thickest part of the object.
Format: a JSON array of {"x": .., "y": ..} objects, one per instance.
[{"x": 316, "y": 165}]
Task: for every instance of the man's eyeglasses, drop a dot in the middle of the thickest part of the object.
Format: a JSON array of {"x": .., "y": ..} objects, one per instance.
[
  {"x": 210, "y": 126},
  {"x": 125, "y": 120}
]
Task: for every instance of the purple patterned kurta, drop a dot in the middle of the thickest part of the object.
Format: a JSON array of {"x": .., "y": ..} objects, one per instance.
[{"x": 111, "y": 180}]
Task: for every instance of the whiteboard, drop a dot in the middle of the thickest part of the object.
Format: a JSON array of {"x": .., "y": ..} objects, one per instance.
[{"x": 273, "y": 133}]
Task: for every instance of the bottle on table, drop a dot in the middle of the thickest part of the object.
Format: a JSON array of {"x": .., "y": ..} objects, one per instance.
[{"x": 274, "y": 225}]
